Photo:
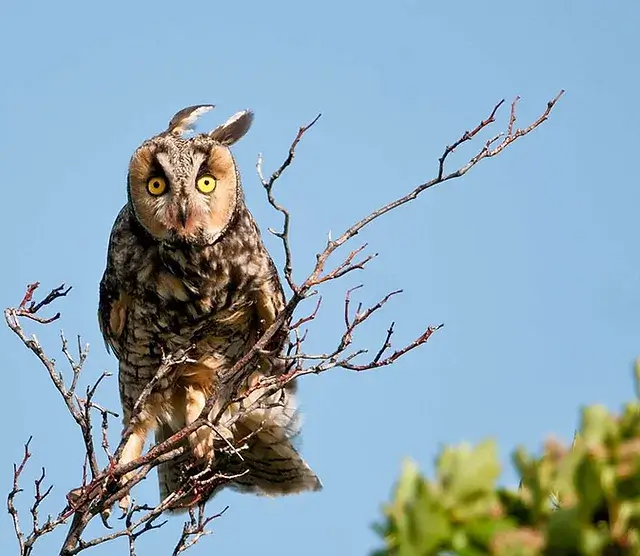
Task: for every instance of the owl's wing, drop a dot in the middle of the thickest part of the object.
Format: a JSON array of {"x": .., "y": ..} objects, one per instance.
[
  {"x": 270, "y": 302},
  {"x": 111, "y": 313},
  {"x": 112, "y": 306},
  {"x": 272, "y": 464}
]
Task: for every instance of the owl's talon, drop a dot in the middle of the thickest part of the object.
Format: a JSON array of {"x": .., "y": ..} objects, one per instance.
[
  {"x": 125, "y": 502},
  {"x": 105, "y": 515}
]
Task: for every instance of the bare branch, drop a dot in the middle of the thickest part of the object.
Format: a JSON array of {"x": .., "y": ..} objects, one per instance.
[
  {"x": 467, "y": 136},
  {"x": 308, "y": 318},
  {"x": 195, "y": 528},
  {"x": 441, "y": 177},
  {"x": 26, "y": 542},
  {"x": 268, "y": 186},
  {"x": 17, "y": 471},
  {"x": 33, "y": 308}
]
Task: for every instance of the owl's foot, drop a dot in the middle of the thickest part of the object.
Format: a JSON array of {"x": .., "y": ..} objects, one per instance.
[
  {"x": 125, "y": 502},
  {"x": 202, "y": 443},
  {"x": 201, "y": 440},
  {"x": 132, "y": 451}
]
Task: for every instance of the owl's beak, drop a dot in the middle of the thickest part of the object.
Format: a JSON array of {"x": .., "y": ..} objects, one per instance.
[{"x": 183, "y": 213}]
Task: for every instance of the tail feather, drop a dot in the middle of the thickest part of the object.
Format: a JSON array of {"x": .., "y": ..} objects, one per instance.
[
  {"x": 275, "y": 468},
  {"x": 267, "y": 463}
]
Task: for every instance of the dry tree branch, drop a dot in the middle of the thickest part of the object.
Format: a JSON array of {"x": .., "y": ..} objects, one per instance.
[
  {"x": 268, "y": 187},
  {"x": 485, "y": 152},
  {"x": 80, "y": 409},
  {"x": 104, "y": 486},
  {"x": 194, "y": 529},
  {"x": 26, "y": 543},
  {"x": 133, "y": 528},
  {"x": 30, "y": 311},
  {"x": 11, "y": 508}
]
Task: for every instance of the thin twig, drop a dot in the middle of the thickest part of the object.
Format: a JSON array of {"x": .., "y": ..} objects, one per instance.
[
  {"x": 268, "y": 186},
  {"x": 17, "y": 471}
]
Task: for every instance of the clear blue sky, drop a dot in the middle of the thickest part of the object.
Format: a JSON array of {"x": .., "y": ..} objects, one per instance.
[{"x": 530, "y": 260}]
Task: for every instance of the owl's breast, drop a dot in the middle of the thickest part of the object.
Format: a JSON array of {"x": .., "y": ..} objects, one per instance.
[
  {"x": 167, "y": 312},
  {"x": 157, "y": 298}
]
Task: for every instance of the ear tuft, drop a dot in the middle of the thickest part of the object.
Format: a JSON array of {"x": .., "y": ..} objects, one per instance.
[
  {"x": 233, "y": 129},
  {"x": 186, "y": 118}
]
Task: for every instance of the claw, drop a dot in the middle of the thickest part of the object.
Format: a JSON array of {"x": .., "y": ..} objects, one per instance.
[{"x": 105, "y": 515}]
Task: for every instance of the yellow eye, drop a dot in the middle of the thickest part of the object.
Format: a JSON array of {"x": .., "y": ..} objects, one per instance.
[
  {"x": 206, "y": 183},
  {"x": 156, "y": 185}
]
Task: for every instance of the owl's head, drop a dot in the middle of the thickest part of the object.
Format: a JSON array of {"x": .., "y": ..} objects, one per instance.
[{"x": 188, "y": 189}]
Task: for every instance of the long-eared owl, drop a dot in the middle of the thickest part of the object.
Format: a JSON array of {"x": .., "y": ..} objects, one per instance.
[{"x": 186, "y": 266}]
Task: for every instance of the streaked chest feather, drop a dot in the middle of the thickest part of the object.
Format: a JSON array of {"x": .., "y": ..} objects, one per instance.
[{"x": 175, "y": 299}]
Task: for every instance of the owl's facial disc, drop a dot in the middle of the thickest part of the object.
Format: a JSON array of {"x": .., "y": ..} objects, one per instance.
[{"x": 183, "y": 189}]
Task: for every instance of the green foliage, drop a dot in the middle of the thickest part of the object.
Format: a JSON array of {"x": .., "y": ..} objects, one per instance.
[{"x": 579, "y": 500}]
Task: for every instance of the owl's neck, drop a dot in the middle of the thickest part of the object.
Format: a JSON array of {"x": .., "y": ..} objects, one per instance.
[{"x": 187, "y": 261}]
